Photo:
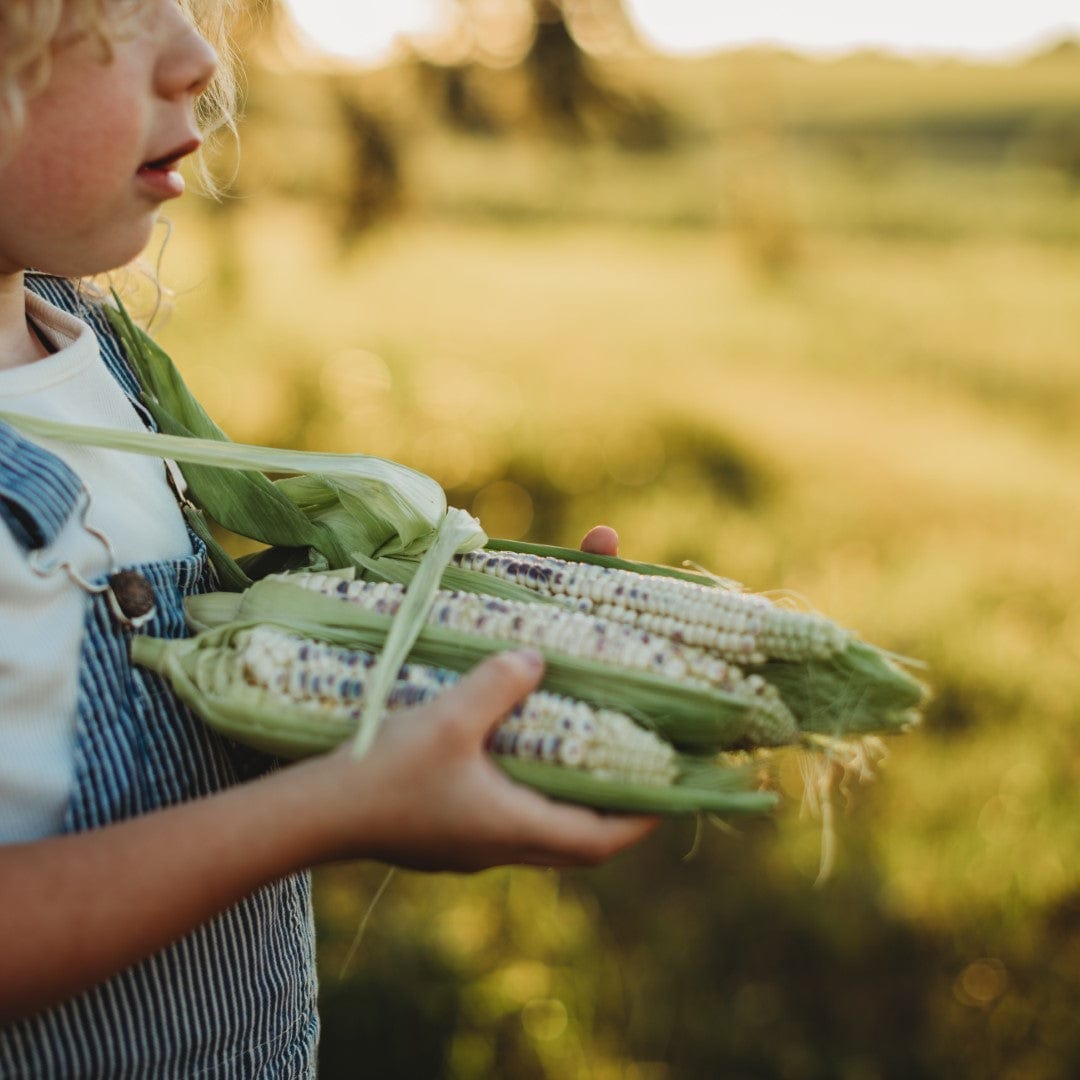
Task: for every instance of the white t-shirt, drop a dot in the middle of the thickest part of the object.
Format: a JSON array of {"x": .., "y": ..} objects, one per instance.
[{"x": 41, "y": 617}]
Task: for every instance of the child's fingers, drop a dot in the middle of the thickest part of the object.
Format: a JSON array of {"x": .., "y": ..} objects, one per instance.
[
  {"x": 575, "y": 836},
  {"x": 473, "y": 815},
  {"x": 488, "y": 692},
  {"x": 552, "y": 833},
  {"x": 601, "y": 540}
]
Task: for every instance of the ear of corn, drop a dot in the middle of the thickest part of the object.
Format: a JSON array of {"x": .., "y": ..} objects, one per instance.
[
  {"x": 740, "y": 627},
  {"x": 296, "y": 696},
  {"x": 830, "y": 681},
  {"x": 849, "y": 687},
  {"x": 691, "y": 712}
]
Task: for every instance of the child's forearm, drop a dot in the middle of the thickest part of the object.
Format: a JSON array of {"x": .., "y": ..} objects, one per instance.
[{"x": 79, "y": 908}]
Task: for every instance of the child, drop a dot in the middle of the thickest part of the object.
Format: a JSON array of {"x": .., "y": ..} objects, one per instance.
[{"x": 156, "y": 909}]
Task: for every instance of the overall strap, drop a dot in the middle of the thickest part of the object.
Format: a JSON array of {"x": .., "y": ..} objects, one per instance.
[{"x": 38, "y": 491}]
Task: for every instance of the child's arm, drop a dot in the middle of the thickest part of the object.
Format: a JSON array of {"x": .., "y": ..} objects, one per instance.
[{"x": 78, "y": 908}]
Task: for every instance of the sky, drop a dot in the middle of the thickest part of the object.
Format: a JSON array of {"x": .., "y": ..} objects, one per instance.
[{"x": 367, "y": 29}]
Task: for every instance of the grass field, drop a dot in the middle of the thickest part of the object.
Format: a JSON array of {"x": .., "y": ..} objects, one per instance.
[{"x": 856, "y": 378}]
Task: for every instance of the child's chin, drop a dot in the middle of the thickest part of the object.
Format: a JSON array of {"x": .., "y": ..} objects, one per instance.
[{"x": 116, "y": 254}]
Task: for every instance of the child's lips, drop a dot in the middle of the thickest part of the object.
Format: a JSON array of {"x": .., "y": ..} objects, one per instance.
[{"x": 161, "y": 175}]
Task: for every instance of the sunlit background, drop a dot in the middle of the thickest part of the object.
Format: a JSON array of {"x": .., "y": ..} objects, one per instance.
[
  {"x": 372, "y": 32},
  {"x": 806, "y": 313}
]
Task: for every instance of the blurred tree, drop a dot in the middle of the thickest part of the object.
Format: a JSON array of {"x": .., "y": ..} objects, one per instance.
[
  {"x": 375, "y": 189},
  {"x": 564, "y": 88},
  {"x": 457, "y": 101},
  {"x": 1054, "y": 139},
  {"x": 567, "y": 92},
  {"x": 550, "y": 48}
]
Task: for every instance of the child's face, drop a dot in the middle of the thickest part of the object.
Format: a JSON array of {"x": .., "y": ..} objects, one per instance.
[{"x": 96, "y": 158}]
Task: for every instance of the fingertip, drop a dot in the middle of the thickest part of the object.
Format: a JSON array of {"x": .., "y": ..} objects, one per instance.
[
  {"x": 530, "y": 660},
  {"x": 500, "y": 681},
  {"x": 601, "y": 540}
]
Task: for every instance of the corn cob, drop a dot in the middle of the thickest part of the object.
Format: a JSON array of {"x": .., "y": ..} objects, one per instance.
[
  {"x": 294, "y": 696},
  {"x": 741, "y": 627},
  {"x": 546, "y": 727},
  {"x": 582, "y": 635}
]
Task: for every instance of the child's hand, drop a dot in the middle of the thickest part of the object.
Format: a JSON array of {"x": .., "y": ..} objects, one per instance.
[
  {"x": 428, "y": 796},
  {"x": 601, "y": 540}
]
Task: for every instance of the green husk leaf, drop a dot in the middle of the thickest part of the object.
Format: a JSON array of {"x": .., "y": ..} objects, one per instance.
[
  {"x": 230, "y": 573},
  {"x": 209, "y": 611},
  {"x": 236, "y": 494},
  {"x": 334, "y": 505},
  {"x": 457, "y": 527},
  {"x": 859, "y": 691},
  {"x": 164, "y": 391},
  {"x": 613, "y": 561},
  {"x": 372, "y": 516},
  {"x": 244, "y": 502},
  {"x": 577, "y": 786}
]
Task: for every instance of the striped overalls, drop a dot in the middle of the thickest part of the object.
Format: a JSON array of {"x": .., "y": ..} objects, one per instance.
[{"x": 235, "y": 998}]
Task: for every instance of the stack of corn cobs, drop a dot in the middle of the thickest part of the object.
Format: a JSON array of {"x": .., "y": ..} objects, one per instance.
[
  {"x": 654, "y": 682},
  {"x": 371, "y": 596}
]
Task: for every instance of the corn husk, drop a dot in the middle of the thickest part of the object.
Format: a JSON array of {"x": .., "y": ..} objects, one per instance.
[{"x": 382, "y": 506}]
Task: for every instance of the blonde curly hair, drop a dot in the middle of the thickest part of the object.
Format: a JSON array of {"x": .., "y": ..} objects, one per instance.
[{"x": 28, "y": 30}]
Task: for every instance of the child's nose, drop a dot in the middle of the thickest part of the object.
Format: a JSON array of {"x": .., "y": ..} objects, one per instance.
[{"x": 187, "y": 62}]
